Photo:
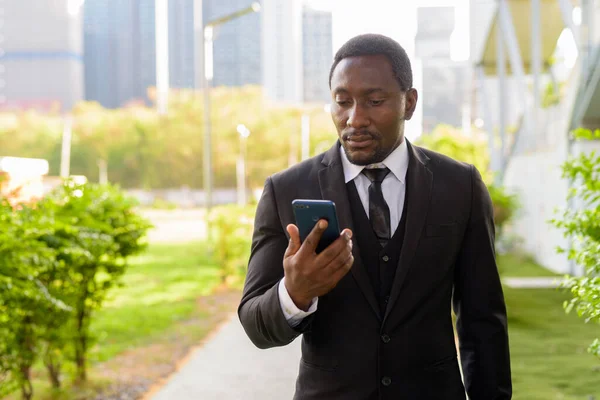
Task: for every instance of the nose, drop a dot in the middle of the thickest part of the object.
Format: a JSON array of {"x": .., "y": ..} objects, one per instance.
[{"x": 357, "y": 117}]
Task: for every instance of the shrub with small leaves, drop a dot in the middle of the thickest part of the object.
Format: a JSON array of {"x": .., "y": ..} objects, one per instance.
[
  {"x": 232, "y": 227},
  {"x": 583, "y": 226}
]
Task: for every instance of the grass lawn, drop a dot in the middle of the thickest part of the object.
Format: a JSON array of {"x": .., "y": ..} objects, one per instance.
[
  {"x": 160, "y": 289},
  {"x": 153, "y": 318},
  {"x": 548, "y": 347},
  {"x": 520, "y": 265}
]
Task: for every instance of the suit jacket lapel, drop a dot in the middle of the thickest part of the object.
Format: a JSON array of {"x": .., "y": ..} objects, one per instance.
[
  {"x": 333, "y": 187},
  {"x": 419, "y": 187}
]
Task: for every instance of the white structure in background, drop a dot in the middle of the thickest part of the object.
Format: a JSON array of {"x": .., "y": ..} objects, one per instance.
[
  {"x": 241, "y": 165},
  {"x": 41, "y": 61},
  {"x": 414, "y": 128},
  {"x": 22, "y": 177},
  {"x": 161, "y": 13},
  {"x": 534, "y": 154}
]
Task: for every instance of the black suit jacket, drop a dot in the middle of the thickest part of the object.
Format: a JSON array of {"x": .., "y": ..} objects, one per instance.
[{"x": 350, "y": 350}]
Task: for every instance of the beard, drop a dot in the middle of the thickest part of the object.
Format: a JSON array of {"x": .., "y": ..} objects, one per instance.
[{"x": 378, "y": 154}]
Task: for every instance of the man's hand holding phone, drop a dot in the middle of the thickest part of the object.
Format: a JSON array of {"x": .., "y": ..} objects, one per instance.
[{"x": 308, "y": 274}]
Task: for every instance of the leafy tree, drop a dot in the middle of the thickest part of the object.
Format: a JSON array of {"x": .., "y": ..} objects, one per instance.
[
  {"x": 58, "y": 259},
  {"x": 583, "y": 226},
  {"x": 29, "y": 313},
  {"x": 96, "y": 230}
]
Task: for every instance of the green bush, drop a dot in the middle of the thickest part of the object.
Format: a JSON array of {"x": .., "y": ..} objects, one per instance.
[
  {"x": 583, "y": 226},
  {"x": 58, "y": 259},
  {"x": 29, "y": 313},
  {"x": 231, "y": 231},
  {"x": 473, "y": 150}
]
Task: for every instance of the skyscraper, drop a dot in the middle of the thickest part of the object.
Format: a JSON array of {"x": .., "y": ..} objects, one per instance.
[
  {"x": 181, "y": 44},
  {"x": 237, "y": 44},
  {"x": 41, "y": 61},
  {"x": 282, "y": 75},
  {"x": 119, "y": 50},
  {"x": 317, "y": 52},
  {"x": 446, "y": 82},
  {"x": 297, "y": 51}
]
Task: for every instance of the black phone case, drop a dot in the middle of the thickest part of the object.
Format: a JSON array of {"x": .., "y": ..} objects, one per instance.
[{"x": 309, "y": 212}]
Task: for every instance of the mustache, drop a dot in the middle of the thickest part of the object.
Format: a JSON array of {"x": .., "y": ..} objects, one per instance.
[{"x": 360, "y": 133}]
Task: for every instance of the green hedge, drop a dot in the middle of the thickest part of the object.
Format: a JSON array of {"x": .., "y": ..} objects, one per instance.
[
  {"x": 58, "y": 259},
  {"x": 231, "y": 232},
  {"x": 583, "y": 228}
]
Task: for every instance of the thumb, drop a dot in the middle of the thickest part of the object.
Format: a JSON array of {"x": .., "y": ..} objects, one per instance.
[{"x": 294, "y": 244}]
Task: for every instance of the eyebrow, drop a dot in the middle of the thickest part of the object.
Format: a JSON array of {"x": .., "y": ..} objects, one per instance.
[{"x": 364, "y": 92}]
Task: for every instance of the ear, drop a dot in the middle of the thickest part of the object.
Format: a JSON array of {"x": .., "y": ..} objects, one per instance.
[{"x": 410, "y": 103}]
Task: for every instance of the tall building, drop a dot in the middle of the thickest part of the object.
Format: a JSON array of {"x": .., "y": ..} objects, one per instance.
[
  {"x": 282, "y": 75},
  {"x": 446, "y": 83},
  {"x": 119, "y": 51},
  {"x": 317, "y": 53},
  {"x": 41, "y": 61},
  {"x": 181, "y": 44},
  {"x": 237, "y": 46},
  {"x": 297, "y": 51}
]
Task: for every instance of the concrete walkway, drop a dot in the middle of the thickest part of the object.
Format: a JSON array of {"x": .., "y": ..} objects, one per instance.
[
  {"x": 229, "y": 367},
  {"x": 533, "y": 283}
]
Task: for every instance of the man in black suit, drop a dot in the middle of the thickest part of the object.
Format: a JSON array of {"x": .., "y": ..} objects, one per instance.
[{"x": 418, "y": 238}]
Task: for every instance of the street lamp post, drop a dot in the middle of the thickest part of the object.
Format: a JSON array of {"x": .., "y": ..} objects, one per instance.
[
  {"x": 208, "y": 31},
  {"x": 241, "y": 165},
  {"x": 65, "y": 154}
]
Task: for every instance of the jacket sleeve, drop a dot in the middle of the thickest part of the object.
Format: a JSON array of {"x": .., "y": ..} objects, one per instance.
[
  {"x": 479, "y": 304},
  {"x": 260, "y": 308}
]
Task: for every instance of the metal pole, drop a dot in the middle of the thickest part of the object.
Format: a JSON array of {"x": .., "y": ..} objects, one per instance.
[
  {"x": 241, "y": 172},
  {"x": 516, "y": 64},
  {"x": 65, "y": 155},
  {"x": 103, "y": 172},
  {"x": 162, "y": 55},
  {"x": 305, "y": 137},
  {"x": 198, "y": 45},
  {"x": 501, "y": 67},
  {"x": 208, "y": 69},
  {"x": 488, "y": 123},
  {"x": 536, "y": 65}
]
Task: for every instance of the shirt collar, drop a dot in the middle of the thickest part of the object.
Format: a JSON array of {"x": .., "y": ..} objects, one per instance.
[{"x": 396, "y": 161}]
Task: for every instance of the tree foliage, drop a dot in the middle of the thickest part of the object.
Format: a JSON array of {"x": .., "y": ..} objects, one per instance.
[
  {"x": 146, "y": 150},
  {"x": 582, "y": 225},
  {"x": 58, "y": 259}
]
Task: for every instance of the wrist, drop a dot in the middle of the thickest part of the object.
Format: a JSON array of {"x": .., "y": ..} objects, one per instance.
[{"x": 299, "y": 301}]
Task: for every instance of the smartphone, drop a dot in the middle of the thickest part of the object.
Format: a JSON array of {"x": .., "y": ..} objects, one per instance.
[{"x": 309, "y": 212}]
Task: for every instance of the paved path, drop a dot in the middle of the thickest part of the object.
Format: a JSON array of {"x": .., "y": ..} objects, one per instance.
[
  {"x": 229, "y": 367},
  {"x": 533, "y": 283}
]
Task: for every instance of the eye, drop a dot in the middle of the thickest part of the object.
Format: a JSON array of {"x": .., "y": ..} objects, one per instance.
[
  {"x": 343, "y": 103},
  {"x": 376, "y": 103}
]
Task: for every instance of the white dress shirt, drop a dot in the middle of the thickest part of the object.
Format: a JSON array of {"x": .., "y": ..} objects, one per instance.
[{"x": 394, "y": 190}]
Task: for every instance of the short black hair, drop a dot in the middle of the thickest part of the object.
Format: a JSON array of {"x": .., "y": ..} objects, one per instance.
[{"x": 374, "y": 44}]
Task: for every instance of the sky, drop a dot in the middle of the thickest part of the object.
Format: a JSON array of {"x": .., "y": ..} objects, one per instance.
[{"x": 394, "y": 18}]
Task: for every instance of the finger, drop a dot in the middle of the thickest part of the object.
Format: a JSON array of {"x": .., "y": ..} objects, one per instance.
[
  {"x": 335, "y": 248},
  {"x": 312, "y": 240},
  {"x": 340, "y": 272},
  {"x": 340, "y": 260},
  {"x": 294, "y": 244},
  {"x": 343, "y": 269}
]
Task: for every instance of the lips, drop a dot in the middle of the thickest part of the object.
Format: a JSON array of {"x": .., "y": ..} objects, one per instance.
[{"x": 360, "y": 142}]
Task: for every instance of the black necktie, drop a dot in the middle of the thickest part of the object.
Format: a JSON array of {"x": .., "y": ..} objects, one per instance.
[{"x": 379, "y": 212}]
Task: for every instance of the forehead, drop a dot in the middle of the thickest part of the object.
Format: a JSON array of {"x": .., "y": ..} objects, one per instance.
[{"x": 364, "y": 73}]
